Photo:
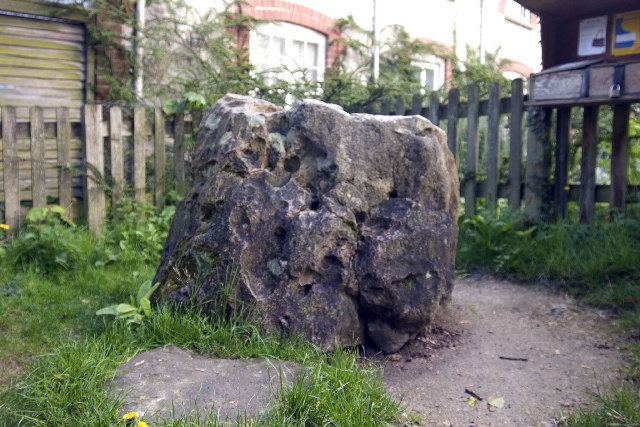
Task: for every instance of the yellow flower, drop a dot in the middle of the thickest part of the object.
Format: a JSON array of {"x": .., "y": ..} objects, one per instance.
[
  {"x": 130, "y": 416},
  {"x": 4, "y": 226},
  {"x": 142, "y": 424}
]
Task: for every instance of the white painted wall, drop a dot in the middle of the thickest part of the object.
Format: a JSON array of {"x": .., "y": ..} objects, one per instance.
[{"x": 438, "y": 20}]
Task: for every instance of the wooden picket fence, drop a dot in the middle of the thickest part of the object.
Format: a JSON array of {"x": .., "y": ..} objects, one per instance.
[{"x": 65, "y": 156}]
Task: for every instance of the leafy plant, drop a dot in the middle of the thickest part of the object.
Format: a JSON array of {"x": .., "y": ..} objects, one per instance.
[
  {"x": 137, "y": 310},
  {"x": 46, "y": 241},
  {"x": 140, "y": 230}
]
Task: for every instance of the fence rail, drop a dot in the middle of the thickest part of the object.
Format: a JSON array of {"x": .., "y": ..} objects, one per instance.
[{"x": 65, "y": 156}]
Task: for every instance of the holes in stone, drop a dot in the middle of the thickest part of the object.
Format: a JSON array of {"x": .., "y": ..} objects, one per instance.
[
  {"x": 361, "y": 217},
  {"x": 333, "y": 260},
  {"x": 280, "y": 232},
  {"x": 393, "y": 194},
  {"x": 315, "y": 205},
  {"x": 292, "y": 164},
  {"x": 210, "y": 209},
  {"x": 306, "y": 289}
]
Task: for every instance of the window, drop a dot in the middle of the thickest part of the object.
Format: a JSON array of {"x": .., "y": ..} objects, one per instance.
[
  {"x": 431, "y": 73},
  {"x": 517, "y": 12},
  {"x": 284, "y": 51}
]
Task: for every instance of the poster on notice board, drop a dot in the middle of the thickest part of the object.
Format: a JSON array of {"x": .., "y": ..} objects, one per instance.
[
  {"x": 625, "y": 34},
  {"x": 592, "y": 38}
]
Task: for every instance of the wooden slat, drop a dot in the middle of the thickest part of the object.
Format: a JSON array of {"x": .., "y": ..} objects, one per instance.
[
  {"x": 159, "y": 158},
  {"x": 416, "y": 104},
  {"x": 472, "y": 152},
  {"x": 515, "y": 143},
  {"x": 536, "y": 169},
  {"x": 434, "y": 108},
  {"x": 452, "y": 120},
  {"x": 14, "y": 61},
  {"x": 42, "y": 84},
  {"x": 9, "y": 40},
  {"x": 10, "y": 169},
  {"x": 63, "y": 55},
  {"x": 139, "y": 165},
  {"x": 400, "y": 106},
  {"x": 493, "y": 144},
  {"x": 38, "y": 190},
  {"x": 178, "y": 153},
  {"x": 619, "y": 156},
  {"x": 41, "y": 73},
  {"x": 35, "y": 33},
  {"x": 385, "y": 108},
  {"x": 117, "y": 157},
  {"x": 563, "y": 129},
  {"x": 588, "y": 163},
  {"x": 42, "y": 25},
  {"x": 95, "y": 197},
  {"x": 63, "y": 139}
]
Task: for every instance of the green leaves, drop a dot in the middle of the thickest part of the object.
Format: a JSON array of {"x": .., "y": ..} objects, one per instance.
[{"x": 135, "y": 312}]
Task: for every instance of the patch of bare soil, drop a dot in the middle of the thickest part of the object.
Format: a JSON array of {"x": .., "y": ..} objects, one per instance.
[{"x": 536, "y": 350}]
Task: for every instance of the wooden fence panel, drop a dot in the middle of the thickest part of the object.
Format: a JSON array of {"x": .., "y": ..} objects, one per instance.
[
  {"x": 588, "y": 163},
  {"x": 434, "y": 108},
  {"x": 63, "y": 141},
  {"x": 493, "y": 125},
  {"x": 159, "y": 157},
  {"x": 117, "y": 154},
  {"x": 94, "y": 170},
  {"x": 452, "y": 120},
  {"x": 470, "y": 173},
  {"x": 619, "y": 156},
  {"x": 515, "y": 144},
  {"x": 38, "y": 178},
  {"x": 416, "y": 104},
  {"x": 139, "y": 159},
  {"x": 10, "y": 169},
  {"x": 563, "y": 129}
]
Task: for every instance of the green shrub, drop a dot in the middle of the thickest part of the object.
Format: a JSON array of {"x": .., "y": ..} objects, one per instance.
[{"x": 140, "y": 230}]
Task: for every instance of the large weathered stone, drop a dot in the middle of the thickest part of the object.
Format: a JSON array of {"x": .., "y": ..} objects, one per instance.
[{"x": 337, "y": 227}]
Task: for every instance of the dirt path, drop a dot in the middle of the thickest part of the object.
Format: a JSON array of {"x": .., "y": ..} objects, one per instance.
[{"x": 570, "y": 356}]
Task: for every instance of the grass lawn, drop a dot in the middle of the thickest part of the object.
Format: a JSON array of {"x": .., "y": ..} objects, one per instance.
[{"x": 57, "y": 354}]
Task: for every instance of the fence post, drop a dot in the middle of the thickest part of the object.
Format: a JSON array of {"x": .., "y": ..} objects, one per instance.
[
  {"x": 38, "y": 181},
  {"x": 159, "y": 157},
  {"x": 563, "y": 127},
  {"x": 515, "y": 144},
  {"x": 63, "y": 142},
  {"x": 139, "y": 163},
  {"x": 493, "y": 123},
  {"x": 10, "y": 170},
  {"x": 472, "y": 152},
  {"x": 178, "y": 152},
  {"x": 416, "y": 104},
  {"x": 537, "y": 169},
  {"x": 619, "y": 156},
  {"x": 117, "y": 158},
  {"x": 400, "y": 110},
  {"x": 588, "y": 163},
  {"x": 434, "y": 108},
  {"x": 452, "y": 120},
  {"x": 384, "y": 110},
  {"x": 94, "y": 167}
]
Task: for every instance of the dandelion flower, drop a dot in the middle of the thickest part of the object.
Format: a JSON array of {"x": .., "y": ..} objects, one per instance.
[
  {"x": 130, "y": 416},
  {"x": 4, "y": 226},
  {"x": 142, "y": 424}
]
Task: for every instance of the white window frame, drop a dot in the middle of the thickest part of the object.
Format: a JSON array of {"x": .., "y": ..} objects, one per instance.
[
  {"x": 281, "y": 66},
  {"x": 435, "y": 64},
  {"x": 517, "y": 13}
]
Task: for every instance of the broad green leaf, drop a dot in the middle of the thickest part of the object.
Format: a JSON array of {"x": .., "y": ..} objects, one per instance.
[
  {"x": 125, "y": 309},
  {"x": 145, "y": 305},
  {"x": 111, "y": 310}
]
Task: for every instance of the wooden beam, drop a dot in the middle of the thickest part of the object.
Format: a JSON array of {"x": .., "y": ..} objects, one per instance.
[
  {"x": 178, "y": 153},
  {"x": 515, "y": 144},
  {"x": 434, "y": 108},
  {"x": 537, "y": 167},
  {"x": 563, "y": 129},
  {"x": 470, "y": 173},
  {"x": 588, "y": 163},
  {"x": 416, "y": 104},
  {"x": 619, "y": 156}
]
